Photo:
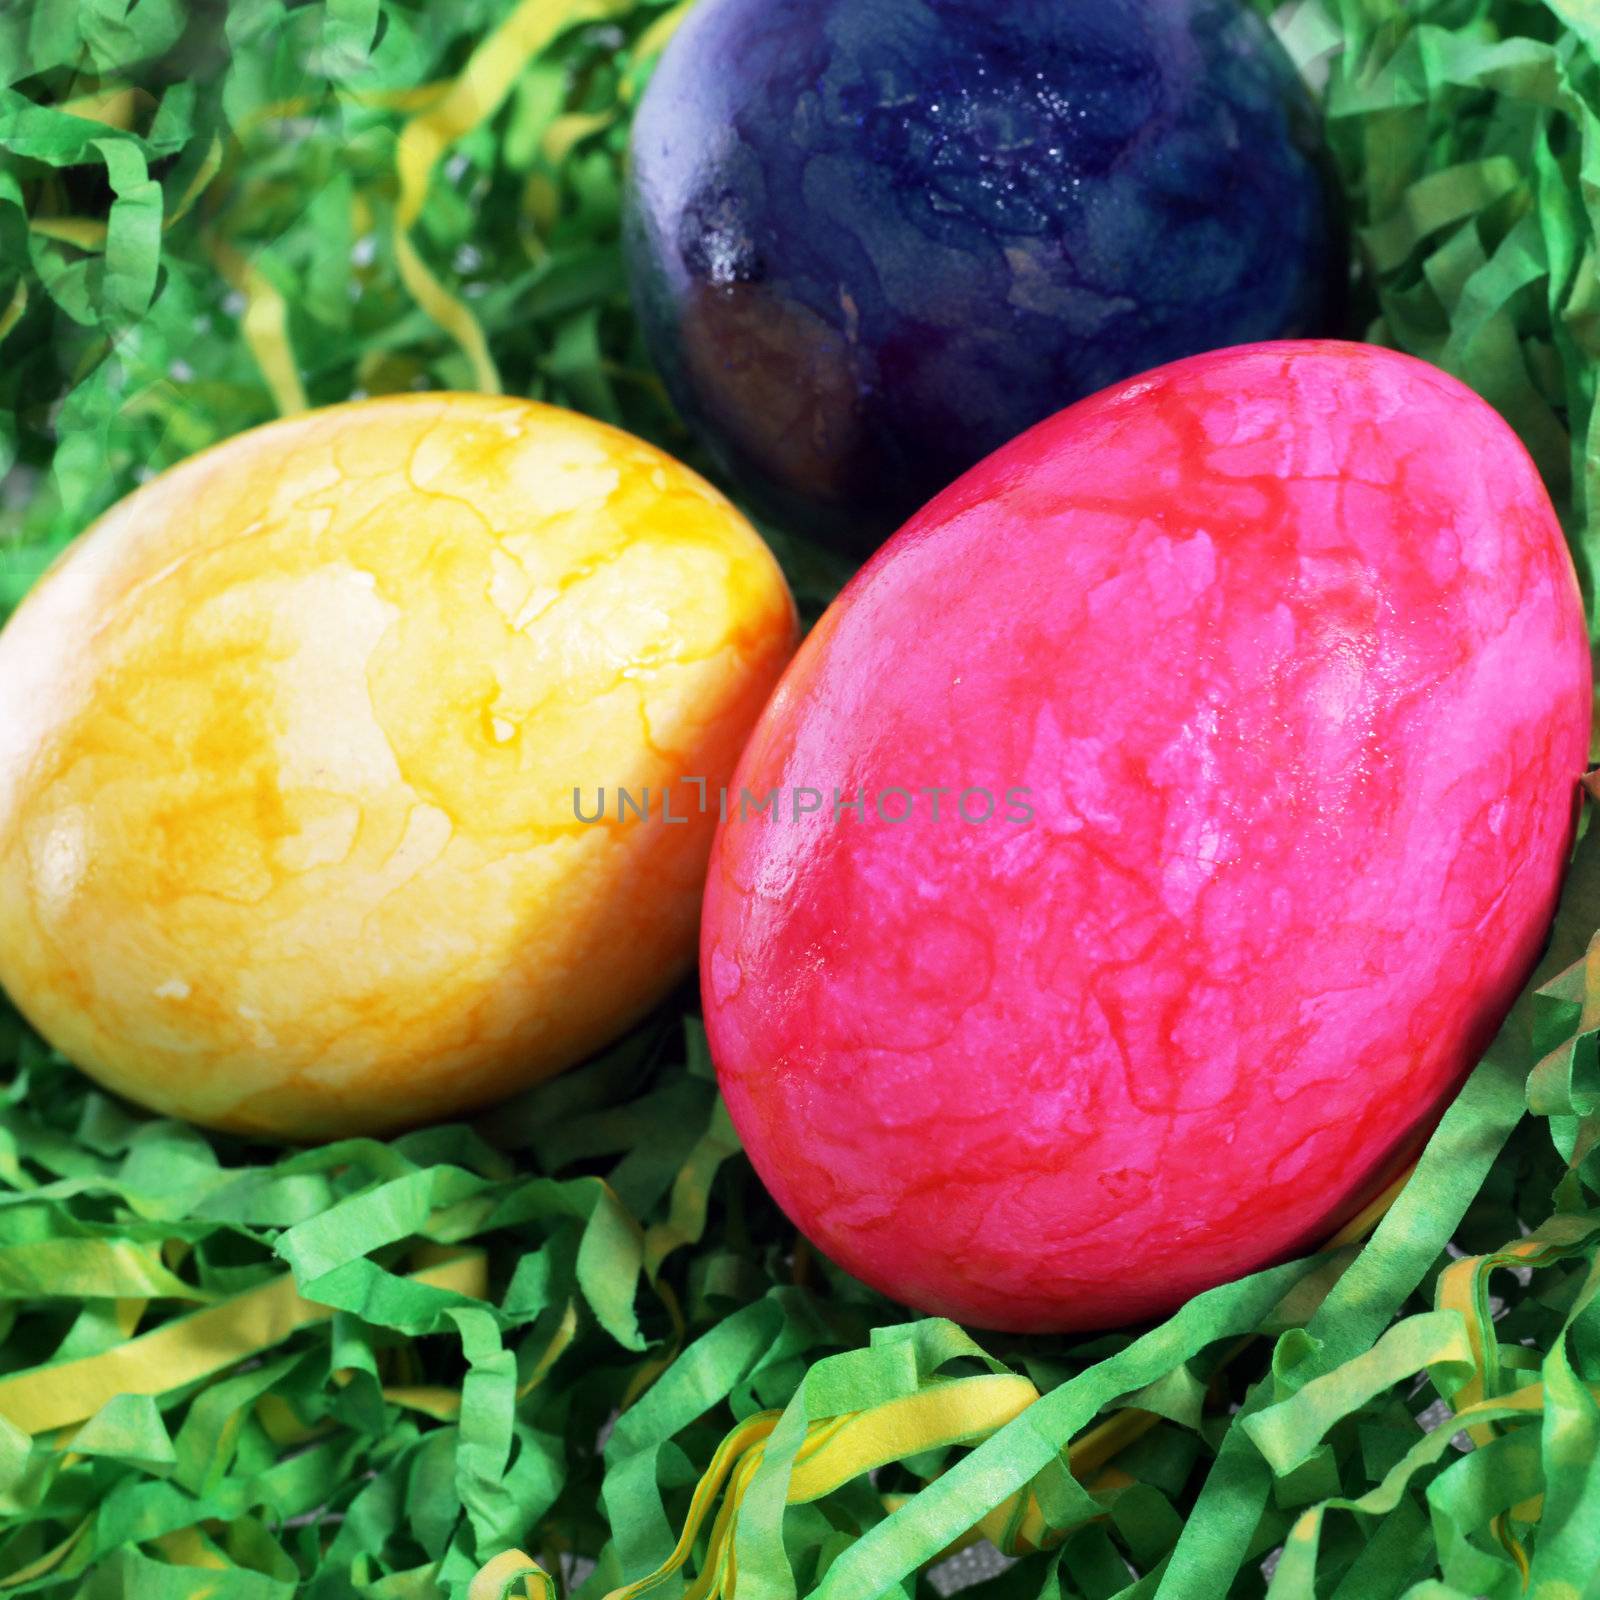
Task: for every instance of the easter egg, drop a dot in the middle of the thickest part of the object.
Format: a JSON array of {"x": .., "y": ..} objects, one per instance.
[
  {"x": 290, "y": 740},
  {"x": 1137, "y": 855},
  {"x": 872, "y": 240}
]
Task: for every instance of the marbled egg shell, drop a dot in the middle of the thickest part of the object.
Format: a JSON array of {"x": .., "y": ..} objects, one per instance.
[
  {"x": 288, "y": 746},
  {"x": 1272, "y": 665},
  {"x": 871, "y": 240}
]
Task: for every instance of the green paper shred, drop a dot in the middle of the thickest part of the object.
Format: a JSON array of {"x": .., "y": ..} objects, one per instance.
[{"x": 501, "y": 1359}]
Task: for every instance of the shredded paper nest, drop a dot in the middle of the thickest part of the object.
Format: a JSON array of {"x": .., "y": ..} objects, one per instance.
[{"x": 576, "y": 1349}]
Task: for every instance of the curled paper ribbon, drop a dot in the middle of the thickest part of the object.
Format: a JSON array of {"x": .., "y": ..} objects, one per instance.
[
  {"x": 837, "y": 1449},
  {"x": 470, "y": 100},
  {"x": 411, "y": 1434},
  {"x": 189, "y": 1349}
]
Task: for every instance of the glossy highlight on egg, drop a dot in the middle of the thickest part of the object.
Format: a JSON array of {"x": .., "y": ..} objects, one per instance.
[
  {"x": 1285, "y": 647},
  {"x": 872, "y": 240},
  {"x": 289, "y": 745}
]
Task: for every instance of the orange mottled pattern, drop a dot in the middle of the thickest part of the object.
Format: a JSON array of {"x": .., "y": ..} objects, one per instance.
[{"x": 288, "y": 747}]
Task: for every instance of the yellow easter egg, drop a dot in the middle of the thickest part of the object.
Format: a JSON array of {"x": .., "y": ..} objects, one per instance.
[{"x": 297, "y": 744}]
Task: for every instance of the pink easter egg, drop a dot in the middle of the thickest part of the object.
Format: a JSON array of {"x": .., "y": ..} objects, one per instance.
[{"x": 1258, "y": 691}]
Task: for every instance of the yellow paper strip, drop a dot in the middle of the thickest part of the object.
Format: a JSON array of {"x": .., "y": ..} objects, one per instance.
[
  {"x": 187, "y": 1547},
  {"x": 946, "y": 1414},
  {"x": 189, "y": 1348},
  {"x": 112, "y": 108},
  {"x": 83, "y": 233},
  {"x": 432, "y": 1400},
  {"x": 654, "y": 38},
  {"x": 474, "y": 97},
  {"x": 50, "y": 1560},
  {"x": 492, "y": 1579},
  {"x": 209, "y": 166},
  {"x": 265, "y": 326},
  {"x": 569, "y": 130},
  {"x": 12, "y": 314}
]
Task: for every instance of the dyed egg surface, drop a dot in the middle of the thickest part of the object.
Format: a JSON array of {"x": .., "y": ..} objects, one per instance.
[
  {"x": 1258, "y": 691},
  {"x": 872, "y": 240},
  {"x": 288, "y": 746}
]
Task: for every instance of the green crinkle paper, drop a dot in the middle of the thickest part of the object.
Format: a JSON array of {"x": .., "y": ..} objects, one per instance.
[{"x": 504, "y": 1358}]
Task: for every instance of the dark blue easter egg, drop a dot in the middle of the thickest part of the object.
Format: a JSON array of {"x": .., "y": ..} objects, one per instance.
[{"x": 871, "y": 240}]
